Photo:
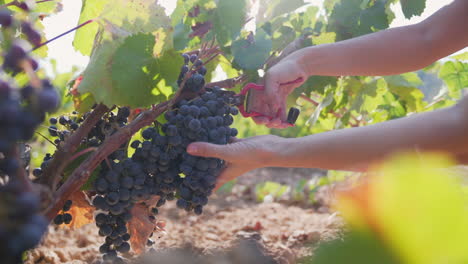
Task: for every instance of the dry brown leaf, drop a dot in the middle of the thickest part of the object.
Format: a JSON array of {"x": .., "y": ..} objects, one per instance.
[
  {"x": 140, "y": 228},
  {"x": 81, "y": 211}
]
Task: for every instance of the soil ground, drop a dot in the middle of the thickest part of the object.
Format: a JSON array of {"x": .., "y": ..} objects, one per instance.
[{"x": 287, "y": 230}]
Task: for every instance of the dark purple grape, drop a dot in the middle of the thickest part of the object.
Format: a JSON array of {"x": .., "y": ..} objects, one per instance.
[
  {"x": 193, "y": 58},
  {"x": 6, "y": 18},
  {"x": 14, "y": 56},
  {"x": 202, "y": 71},
  {"x": 67, "y": 218},
  {"x": 48, "y": 100},
  {"x": 67, "y": 205},
  {"x": 186, "y": 58},
  {"x": 31, "y": 34}
]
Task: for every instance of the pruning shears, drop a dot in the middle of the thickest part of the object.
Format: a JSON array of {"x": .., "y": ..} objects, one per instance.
[{"x": 244, "y": 100}]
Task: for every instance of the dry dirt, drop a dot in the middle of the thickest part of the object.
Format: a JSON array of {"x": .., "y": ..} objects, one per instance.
[{"x": 286, "y": 230}]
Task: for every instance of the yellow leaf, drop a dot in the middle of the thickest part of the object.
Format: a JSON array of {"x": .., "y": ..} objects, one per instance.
[
  {"x": 82, "y": 211},
  {"x": 415, "y": 207}
]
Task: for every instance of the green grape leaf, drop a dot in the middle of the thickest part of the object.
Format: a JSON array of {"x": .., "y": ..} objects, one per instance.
[
  {"x": 83, "y": 102},
  {"x": 315, "y": 83},
  {"x": 84, "y": 37},
  {"x": 324, "y": 38},
  {"x": 405, "y": 86},
  {"x": 229, "y": 19},
  {"x": 355, "y": 247},
  {"x": 48, "y": 7},
  {"x": 455, "y": 75},
  {"x": 270, "y": 9},
  {"x": 181, "y": 36},
  {"x": 97, "y": 75},
  {"x": 133, "y": 67},
  {"x": 370, "y": 96},
  {"x": 282, "y": 37},
  {"x": 373, "y": 18},
  {"x": 140, "y": 16},
  {"x": 349, "y": 20},
  {"x": 306, "y": 19},
  {"x": 169, "y": 64},
  {"x": 412, "y": 8},
  {"x": 463, "y": 56},
  {"x": 251, "y": 55}
]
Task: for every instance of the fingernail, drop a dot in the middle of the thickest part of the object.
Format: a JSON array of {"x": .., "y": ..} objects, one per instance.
[{"x": 192, "y": 149}]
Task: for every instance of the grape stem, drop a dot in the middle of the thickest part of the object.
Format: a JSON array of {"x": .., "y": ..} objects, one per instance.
[
  {"x": 44, "y": 137},
  {"x": 81, "y": 153},
  {"x": 33, "y": 78},
  {"x": 63, "y": 34},
  {"x": 228, "y": 83},
  {"x": 21, "y": 174},
  {"x": 333, "y": 112},
  {"x": 52, "y": 173},
  {"x": 81, "y": 174}
]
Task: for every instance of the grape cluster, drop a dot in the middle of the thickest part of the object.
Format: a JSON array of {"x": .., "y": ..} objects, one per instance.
[
  {"x": 21, "y": 224},
  {"x": 207, "y": 119},
  {"x": 64, "y": 217},
  {"x": 22, "y": 110},
  {"x": 60, "y": 128},
  {"x": 196, "y": 81},
  {"x": 119, "y": 188}
]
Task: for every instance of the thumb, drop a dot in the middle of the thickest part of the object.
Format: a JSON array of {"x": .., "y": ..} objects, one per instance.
[{"x": 203, "y": 149}]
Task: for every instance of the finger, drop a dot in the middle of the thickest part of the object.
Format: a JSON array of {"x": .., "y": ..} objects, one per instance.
[
  {"x": 234, "y": 140},
  {"x": 227, "y": 152}
]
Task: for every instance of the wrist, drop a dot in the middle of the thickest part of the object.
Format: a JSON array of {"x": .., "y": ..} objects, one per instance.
[{"x": 302, "y": 60}]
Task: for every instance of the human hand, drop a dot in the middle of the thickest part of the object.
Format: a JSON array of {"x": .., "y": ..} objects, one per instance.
[
  {"x": 279, "y": 83},
  {"x": 242, "y": 155}
]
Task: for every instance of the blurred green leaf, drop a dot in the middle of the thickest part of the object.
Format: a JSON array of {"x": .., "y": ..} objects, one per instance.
[
  {"x": 455, "y": 75},
  {"x": 229, "y": 19},
  {"x": 356, "y": 247},
  {"x": 251, "y": 54},
  {"x": 463, "y": 56},
  {"x": 270, "y": 188},
  {"x": 269, "y": 9},
  {"x": 412, "y": 8},
  {"x": 133, "y": 69}
]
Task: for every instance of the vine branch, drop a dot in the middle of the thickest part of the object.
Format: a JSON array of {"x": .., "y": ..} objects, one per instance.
[
  {"x": 81, "y": 174},
  {"x": 297, "y": 44},
  {"x": 53, "y": 172},
  {"x": 228, "y": 83},
  {"x": 63, "y": 34}
]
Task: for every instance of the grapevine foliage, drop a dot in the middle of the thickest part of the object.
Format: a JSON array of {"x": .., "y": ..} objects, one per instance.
[{"x": 152, "y": 74}]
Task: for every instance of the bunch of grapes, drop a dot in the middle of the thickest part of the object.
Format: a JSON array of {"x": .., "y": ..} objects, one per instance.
[
  {"x": 21, "y": 112},
  {"x": 196, "y": 81},
  {"x": 62, "y": 127},
  {"x": 21, "y": 225},
  {"x": 64, "y": 217},
  {"x": 206, "y": 119},
  {"x": 119, "y": 187}
]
